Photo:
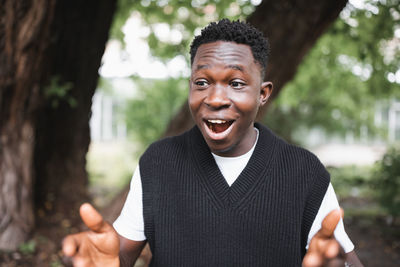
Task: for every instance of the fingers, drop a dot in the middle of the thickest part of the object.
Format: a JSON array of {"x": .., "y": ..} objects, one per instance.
[
  {"x": 324, "y": 247},
  {"x": 330, "y": 222},
  {"x": 312, "y": 260},
  {"x": 70, "y": 245},
  {"x": 325, "y": 252},
  {"x": 332, "y": 249},
  {"x": 81, "y": 262},
  {"x": 92, "y": 218}
]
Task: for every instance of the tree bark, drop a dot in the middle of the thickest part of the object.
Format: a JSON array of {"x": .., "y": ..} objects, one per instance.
[
  {"x": 62, "y": 131},
  {"x": 292, "y": 28},
  {"x": 23, "y": 29},
  {"x": 47, "y": 47}
]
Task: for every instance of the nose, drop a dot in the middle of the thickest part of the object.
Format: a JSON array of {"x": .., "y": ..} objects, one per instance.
[{"x": 217, "y": 97}]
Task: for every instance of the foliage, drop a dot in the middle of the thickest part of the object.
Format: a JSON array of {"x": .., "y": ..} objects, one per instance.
[
  {"x": 387, "y": 181},
  {"x": 148, "y": 114},
  {"x": 56, "y": 263},
  {"x": 352, "y": 180},
  {"x": 58, "y": 91},
  {"x": 338, "y": 84},
  {"x": 182, "y": 17},
  {"x": 28, "y": 247},
  {"x": 381, "y": 182},
  {"x": 105, "y": 86}
]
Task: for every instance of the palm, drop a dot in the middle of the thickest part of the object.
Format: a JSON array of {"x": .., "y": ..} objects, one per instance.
[{"x": 97, "y": 247}]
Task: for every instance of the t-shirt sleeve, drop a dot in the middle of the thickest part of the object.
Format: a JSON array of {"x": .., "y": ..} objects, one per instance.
[
  {"x": 130, "y": 222},
  {"x": 328, "y": 204}
]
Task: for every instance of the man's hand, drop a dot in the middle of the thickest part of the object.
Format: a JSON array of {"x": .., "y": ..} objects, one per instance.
[
  {"x": 97, "y": 247},
  {"x": 324, "y": 250}
]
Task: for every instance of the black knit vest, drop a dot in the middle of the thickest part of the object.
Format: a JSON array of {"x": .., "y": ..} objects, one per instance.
[{"x": 193, "y": 218}]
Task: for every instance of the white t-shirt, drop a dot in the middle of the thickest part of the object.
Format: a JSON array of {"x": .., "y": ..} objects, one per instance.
[{"x": 130, "y": 223}]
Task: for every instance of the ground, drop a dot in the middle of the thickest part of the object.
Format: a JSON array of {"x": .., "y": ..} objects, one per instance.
[
  {"x": 377, "y": 244},
  {"x": 377, "y": 238}
]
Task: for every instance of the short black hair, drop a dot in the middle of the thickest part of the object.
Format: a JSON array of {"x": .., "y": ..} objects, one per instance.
[{"x": 234, "y": 31}]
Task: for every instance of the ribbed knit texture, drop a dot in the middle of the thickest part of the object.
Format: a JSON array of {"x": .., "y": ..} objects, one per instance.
[{"x": 193, "y": 218}]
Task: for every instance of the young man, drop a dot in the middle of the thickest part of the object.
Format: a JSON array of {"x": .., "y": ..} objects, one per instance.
[{"x": 228, "y": 192}]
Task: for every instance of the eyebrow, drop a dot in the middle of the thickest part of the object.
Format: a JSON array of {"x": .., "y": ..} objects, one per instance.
[
  {"x": 232, "y": 66},
  {"x": 199, "y": 67},
  {"x": 235, "y": 67}
]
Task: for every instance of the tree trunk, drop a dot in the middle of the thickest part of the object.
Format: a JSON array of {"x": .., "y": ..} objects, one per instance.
[
  {"x": 292, "y": 28},
  {"x": 49, "y": 55},
  {"x": 62, "y": 132}
]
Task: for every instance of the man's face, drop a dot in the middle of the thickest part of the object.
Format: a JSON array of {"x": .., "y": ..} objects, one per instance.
[{"x": 226, "y": 92}]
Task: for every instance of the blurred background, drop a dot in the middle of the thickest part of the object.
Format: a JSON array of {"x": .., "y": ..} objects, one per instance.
[{"x": 86, "y": 87}]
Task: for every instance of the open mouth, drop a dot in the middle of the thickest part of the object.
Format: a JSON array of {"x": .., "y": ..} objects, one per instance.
[{"x": 218, "y": 126}]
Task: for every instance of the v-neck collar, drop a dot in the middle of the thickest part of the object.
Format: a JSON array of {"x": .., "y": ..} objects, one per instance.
[{"x": 215, "y": 184}]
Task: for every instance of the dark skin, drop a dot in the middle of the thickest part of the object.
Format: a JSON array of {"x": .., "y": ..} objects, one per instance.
[
  {"x": 226, "y": 88},
  {"x": 226, "y": 85}
]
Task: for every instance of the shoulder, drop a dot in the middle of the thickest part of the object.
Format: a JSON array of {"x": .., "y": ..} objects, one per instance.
[
  {"x": 167, "y": 146},
  {"x": 295, "y": 158},
  {"x": 301, "y": 156}
]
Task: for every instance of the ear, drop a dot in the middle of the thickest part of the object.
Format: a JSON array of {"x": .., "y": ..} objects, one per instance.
[{"x": 265, "y": 92}]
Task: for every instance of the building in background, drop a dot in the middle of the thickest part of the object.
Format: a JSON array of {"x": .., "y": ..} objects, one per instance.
[{"x": 107, "y": 122}]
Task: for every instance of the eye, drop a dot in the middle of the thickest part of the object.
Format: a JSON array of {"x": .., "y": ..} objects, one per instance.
[
  {"x": 201, "y": 83},
  {"x": 237, "y": 84}
]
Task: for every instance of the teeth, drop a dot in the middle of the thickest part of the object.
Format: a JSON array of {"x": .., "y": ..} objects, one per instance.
[{"x": 217, "y": 121}]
